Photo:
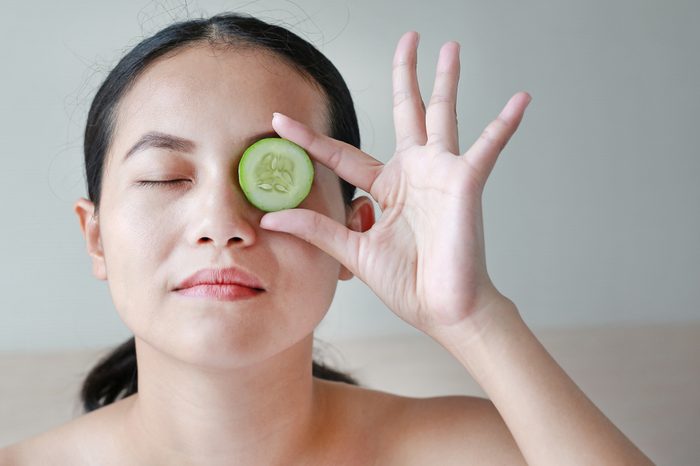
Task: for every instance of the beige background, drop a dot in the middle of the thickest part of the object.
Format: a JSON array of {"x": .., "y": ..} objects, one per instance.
[{"x": 646, "y": 380}]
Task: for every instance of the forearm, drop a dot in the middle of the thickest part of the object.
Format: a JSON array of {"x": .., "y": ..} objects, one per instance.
[{"x": 550, "y": 418}]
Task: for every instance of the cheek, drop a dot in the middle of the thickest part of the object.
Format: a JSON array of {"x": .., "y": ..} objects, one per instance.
[
  {"x": 326, "y": 196},
  {"x": 307, "y": 280},
  {"x": 135, "y": 245},
  {"x": 141, "y": 234},
  {"x": 306, "y": 265}
]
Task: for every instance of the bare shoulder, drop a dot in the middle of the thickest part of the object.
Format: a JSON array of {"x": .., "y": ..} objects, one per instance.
[
  {"x": 7, "y": 456},
  {"x": 452, "y": 430},
  {"x": 50, "y": 447},
  {"x": 71, "y": 443},
  {"x": 408, "y": 431}
]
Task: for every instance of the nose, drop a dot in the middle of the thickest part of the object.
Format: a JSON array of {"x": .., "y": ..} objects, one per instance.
[{"x": 224, "y": 217}]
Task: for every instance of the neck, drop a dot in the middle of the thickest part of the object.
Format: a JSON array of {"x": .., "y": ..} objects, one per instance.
[{"x": 265, "y": 413}]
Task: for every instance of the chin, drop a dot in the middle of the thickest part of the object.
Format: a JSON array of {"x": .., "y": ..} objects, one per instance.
[{"x": 227, "y": 343}]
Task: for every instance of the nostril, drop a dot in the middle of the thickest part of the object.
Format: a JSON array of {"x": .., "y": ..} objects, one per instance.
[{"x": 236, "y": 240}]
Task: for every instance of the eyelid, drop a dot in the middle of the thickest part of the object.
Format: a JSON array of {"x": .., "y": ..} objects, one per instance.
[{"x": 153, "y": 183}]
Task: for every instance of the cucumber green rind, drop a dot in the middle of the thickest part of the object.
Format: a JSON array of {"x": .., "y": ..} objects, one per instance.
[{"x": 275, "y": 174}]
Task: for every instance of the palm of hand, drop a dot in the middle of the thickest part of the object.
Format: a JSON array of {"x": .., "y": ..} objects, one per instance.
[
  {"x": 425, "y": 256},
  {"x": 420, "y": 256}
]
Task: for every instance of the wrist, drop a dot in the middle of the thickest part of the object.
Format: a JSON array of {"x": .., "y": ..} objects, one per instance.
[{"x": 485, "y": 327}]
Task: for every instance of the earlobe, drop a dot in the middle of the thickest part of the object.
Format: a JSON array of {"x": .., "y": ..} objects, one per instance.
[
  {"x": 89, "y": 224},
  {"x": 360, "y": 217}
]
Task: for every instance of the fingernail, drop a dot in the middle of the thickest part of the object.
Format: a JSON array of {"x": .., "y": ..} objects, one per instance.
[
  {"x": 267, "y": 222},
  {"x": 279, "y": 117}
]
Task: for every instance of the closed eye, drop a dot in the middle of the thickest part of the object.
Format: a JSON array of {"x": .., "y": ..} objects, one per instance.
[{"x": 149, "y": 183}]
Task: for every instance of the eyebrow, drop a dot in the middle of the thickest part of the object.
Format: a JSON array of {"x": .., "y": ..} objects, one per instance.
[{"x": 168, "y": 141}]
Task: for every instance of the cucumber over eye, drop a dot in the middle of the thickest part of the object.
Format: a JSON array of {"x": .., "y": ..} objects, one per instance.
[{"x": 275, "y": 174}]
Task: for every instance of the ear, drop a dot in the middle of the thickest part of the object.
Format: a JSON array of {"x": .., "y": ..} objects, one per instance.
[
  {"x": 359, "y": 217},
  {"x": 85, "y": 210}
]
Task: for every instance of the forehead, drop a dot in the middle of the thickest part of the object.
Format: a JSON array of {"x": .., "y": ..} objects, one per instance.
[{"x": 227, "y": 89}]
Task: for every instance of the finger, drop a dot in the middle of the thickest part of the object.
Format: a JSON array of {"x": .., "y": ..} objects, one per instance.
[
  {"x": 409, "y": 111},
  {"x": 441, "y": 115},
  {"x": 334, "y": 239},
  {"x": 483, "y": 153},
  {"x": 348, "y": 162}
]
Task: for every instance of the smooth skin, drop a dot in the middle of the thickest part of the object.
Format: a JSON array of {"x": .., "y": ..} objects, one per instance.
[
  {"x": 246, "y": 394},
  {"x": 425, "y": 259},
  {"x": 231, "y": 382}
]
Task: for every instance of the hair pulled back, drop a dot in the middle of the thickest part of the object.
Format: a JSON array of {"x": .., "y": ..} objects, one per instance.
[{"x": 115, "y": 375}]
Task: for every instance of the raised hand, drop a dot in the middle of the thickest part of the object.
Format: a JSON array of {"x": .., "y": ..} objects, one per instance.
[{"x": 425, "y": 256}]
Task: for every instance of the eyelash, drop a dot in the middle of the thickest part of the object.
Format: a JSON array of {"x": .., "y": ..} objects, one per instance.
[{"x": 153, "y": 184}]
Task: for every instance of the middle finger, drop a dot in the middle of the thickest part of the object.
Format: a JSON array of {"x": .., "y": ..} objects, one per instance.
[{"x": 441, "y": 118}]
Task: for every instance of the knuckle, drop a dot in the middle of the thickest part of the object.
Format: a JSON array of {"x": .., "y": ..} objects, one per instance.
[
  {"x": 501, "y": 123},
  {"x": 405, "y": 140},
  {"x": 487, "y": 135},
  {"x": 317, "y": 221},
  {"x": 317, "y": 224},
  {"x": 399, "y": 64},
  {"x": 400, "y": 97},
  {"x": 495, "y": 131},
  {"x": 492, "y": 138},
  {"x": 444, "y": 74},
  {"x": 436, "y": 99},
  {"x": 335, "y": 157}
]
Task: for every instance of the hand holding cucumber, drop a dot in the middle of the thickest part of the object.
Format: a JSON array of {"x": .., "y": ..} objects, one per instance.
[{"x": 425, "y": 256}]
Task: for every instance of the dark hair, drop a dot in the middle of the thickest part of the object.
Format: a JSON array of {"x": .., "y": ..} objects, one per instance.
[{"x": 114, "y": 376}]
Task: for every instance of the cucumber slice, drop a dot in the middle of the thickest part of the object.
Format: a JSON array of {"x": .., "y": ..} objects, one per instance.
[{"x": 275, "y": 174}]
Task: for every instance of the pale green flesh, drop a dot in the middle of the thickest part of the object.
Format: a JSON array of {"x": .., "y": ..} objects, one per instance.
[{"x": 275, "y": 174}]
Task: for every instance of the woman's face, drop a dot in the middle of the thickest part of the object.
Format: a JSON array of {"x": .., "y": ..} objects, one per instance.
[{"x": 152, "y": 238}]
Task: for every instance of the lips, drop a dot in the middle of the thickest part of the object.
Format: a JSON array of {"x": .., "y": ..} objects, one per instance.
[{"x": 227, "y": 276}]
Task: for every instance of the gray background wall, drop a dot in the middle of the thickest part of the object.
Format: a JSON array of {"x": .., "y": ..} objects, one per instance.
[{"x": 591, "y": 214}]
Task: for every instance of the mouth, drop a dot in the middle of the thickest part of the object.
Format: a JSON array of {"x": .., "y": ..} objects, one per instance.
[
  {"x": 220, "y": 285},
  {"x": 232, "y": 277},
  {"x": 220, "y": 291}
]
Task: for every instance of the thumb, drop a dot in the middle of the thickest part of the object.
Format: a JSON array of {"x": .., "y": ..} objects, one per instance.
[{"x": 333, "y": 238}]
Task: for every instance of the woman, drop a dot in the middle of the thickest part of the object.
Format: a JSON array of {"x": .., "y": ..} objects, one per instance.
[{"x": 228, "y": 378}]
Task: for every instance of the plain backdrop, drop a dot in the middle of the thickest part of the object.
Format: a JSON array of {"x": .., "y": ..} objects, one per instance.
[{"x": 591, "y": 215}]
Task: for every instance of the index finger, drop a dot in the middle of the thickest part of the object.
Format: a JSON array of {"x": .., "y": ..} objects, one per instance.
[{"x": 346, "y": 161}]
